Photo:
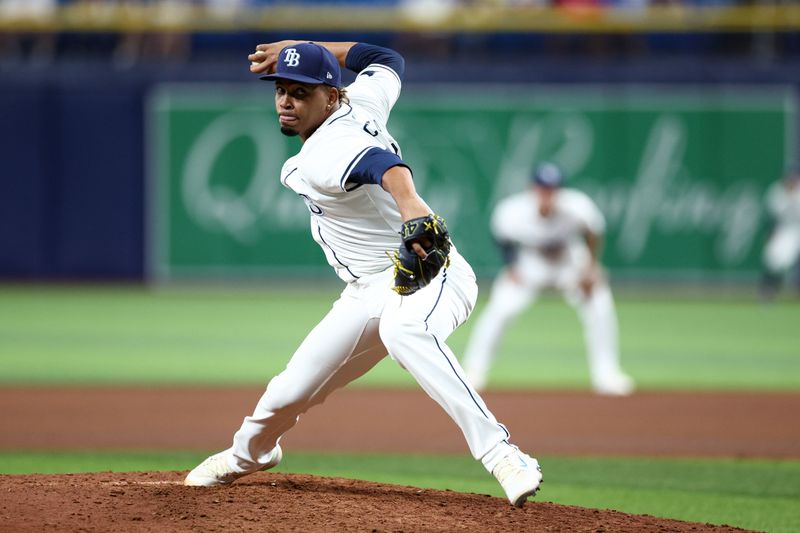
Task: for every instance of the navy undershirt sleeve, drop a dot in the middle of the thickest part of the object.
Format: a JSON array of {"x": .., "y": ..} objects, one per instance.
[
  {"x": 371, "y": 168},
  {"x": 362, "y": 55}
]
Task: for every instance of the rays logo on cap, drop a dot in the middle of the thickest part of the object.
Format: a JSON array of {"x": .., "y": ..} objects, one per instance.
[
  {"x": 317, "y": 65},
  {"x": 292, "y": 58}
]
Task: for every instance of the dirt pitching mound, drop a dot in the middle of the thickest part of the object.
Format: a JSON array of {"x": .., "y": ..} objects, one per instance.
[{"x": 156, "y": 501}]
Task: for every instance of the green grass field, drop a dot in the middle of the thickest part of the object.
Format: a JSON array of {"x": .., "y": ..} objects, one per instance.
[
  {"x": 112, "y": 335},
  {"x": 246, "y": 335}
]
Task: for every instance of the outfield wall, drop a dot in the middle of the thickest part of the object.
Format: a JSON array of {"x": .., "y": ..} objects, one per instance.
[
  {"x": 679, "y": 172},
  {"x": 679, "y": 168}
]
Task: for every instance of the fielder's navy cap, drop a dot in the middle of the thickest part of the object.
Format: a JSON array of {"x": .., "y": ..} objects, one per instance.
[
  {"x": 307, "y": 63},
  {"x": 548, "y": 175}
]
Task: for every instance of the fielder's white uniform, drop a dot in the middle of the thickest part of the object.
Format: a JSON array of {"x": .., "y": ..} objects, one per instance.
[
  {"x": 783, "y": 247},
  {"x": 552, "y": 252},
  {"x": 356, "y": 225}
]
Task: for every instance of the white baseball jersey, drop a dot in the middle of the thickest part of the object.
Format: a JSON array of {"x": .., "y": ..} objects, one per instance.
[
  {"x": 552, "y": 250},
  {"x": 355, "y": 225},
  {"x": 784, "y": 204},
  {"x": 517, "y": 219}
]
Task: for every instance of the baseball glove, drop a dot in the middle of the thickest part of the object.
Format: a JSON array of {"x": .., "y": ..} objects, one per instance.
[{"x": 412, "y": 272}]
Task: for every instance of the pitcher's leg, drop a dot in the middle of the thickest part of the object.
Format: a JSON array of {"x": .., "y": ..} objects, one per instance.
[
  {"x": 367, "y": 353},
  {"x": 507, "y": 300},
  {"x": 289, "y": 394},
  {"x": 414, "y": 329}
]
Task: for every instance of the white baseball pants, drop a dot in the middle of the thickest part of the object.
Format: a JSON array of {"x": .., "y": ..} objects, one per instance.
[
  {"x": 368, "y": 321},
  {"x": 782, "y": 249}
]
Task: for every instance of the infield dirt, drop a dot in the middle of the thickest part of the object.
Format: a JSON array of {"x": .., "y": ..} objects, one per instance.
[{"x": 563, "y": 423}]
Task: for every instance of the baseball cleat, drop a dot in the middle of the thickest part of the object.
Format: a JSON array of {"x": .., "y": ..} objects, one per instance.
[
  {"x": 618, "y": 384},
  {"x": 217, "y": 470},
  {"x": 519, "y": 475}
]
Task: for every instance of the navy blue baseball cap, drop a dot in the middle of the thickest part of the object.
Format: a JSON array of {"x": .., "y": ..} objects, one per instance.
[
  {"x": 307, "y": 63},
  {"x": 548, "y": 175}
]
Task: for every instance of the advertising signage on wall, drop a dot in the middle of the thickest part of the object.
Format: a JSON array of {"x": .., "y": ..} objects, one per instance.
[{"x": 679, "y": 173}]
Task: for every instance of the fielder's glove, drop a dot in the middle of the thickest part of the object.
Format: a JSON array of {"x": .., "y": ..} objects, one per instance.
[{"x": 412, "y": 272}]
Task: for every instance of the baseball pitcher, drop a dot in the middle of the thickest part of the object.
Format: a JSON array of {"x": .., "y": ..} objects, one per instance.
[{"x": 407, "y": 287}]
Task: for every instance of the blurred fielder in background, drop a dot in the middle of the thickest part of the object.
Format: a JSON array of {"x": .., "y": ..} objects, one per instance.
[
  {"x": 360, "y": 194},
  {"x": 782, "y": 250},
  {"x": 550, "y": 237}
]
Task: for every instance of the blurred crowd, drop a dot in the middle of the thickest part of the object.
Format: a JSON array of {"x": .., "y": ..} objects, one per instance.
[{"x": 166, "y": 30}]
